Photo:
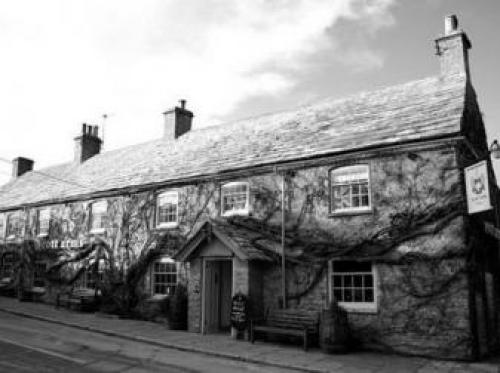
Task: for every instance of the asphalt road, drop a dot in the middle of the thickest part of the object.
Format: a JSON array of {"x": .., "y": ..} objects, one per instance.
[{"x": 28, "y": 345}]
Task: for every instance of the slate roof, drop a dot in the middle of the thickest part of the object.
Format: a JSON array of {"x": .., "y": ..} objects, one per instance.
[
  {"x": 416, "y": 110},
  {"x": 244, "y": 243}
]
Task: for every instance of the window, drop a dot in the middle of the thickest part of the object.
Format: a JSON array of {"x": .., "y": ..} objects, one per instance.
[
  {"x": 2, "y": 226},
  {"x": 350, "y": 189},
  {"x": 43, "y": 222},
  {"x": 7, "y": 265},
  {"x": 98, "y": 216},
  {"x": 14, "y": 225},
  {"x": 235, "y": 198},
  {"x": 353, "y": 284},
  {"x": 39, "y": 274},
  {"x": 167, "y": 209},
  {"x": 164, "y": 277},
  {"x": 88, "y": 278}
]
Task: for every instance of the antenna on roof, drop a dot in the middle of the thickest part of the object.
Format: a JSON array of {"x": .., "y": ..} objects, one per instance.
[{"x": 103, "y": 125}]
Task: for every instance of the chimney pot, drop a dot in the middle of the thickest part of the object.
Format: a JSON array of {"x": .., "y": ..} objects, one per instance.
[
  {"x": 453, "y": 49},
  {"x": 87, "y": 144},
  {"x": 177, "y": 121},
  {"x": 450, "y": 24},
  {"x": 21, "y": 165}
]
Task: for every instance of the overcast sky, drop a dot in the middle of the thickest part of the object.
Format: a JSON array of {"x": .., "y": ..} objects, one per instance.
[{"x": 65, "y": 62}]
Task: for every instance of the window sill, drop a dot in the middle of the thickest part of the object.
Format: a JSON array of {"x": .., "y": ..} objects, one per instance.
[
  {"x": 365, "y": 308},
  {"x": 228, "y": 214},
  {"x": 42, "y": 235},
  {"x": 158, "y": 298},
  {"x": 352, "y": 212},
  {"x": 167, "y": 226},
  {"x": 98, "y": 231}
]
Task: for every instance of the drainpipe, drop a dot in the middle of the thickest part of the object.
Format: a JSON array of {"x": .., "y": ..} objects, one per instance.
[{"x": 283, "y": 220}]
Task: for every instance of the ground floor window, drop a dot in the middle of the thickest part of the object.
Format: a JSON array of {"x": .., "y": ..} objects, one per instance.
[
  {"x": 39, "y": 274},
  {"x": 163, "y": 277},
  {"x": 7, "y": 263},
  {"x": 89, "y": 278},
  {"x": 353, "y": 284}
]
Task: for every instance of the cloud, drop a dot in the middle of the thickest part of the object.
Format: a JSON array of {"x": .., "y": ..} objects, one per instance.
[{"x": 66, "y": 62}]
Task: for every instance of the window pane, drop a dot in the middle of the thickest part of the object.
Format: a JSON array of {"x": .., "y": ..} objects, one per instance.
[
  {"x": 369, "y": 295},
  {"x": 234, "y": 197},
  {"x": 358, "y": 295}
]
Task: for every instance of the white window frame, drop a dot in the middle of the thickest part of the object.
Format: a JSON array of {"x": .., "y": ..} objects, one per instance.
[
  {"x": 361, "y": 307},
  {"x": 18, "y": 216},
  {"x": 163, "y": 260},
  {"x": 364, "y": 168},
  {"x": 166, "y": 194},
  {"x": 223, "y": 191},
  {"x": 35, "y": 271},
  {"x": 3, "y": 226},
  {"x": 101, "y": 207},
  {"x": 41, "y": 218}
]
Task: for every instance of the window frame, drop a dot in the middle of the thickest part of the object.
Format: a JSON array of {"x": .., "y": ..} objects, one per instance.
[
  {"x": 36, "y": 271},
  {"x": 102, "y": 228},
  {"x": 361, "y": 307},
  {"x": 13, "y": 259},
  {"x": 246, "y": 209},
  {"x": 172, "y": 224},
  {"x": 18, "y": 230},
  {"x": 3, "y": 226},
  {"x": 163, "y": 260},
  {"x": 39, "y": 221},
  {"x": 350, "y": 210}
]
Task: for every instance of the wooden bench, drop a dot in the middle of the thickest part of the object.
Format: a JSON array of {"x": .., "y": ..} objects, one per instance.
[
  {"x": 34, "y": 293},
  {"x": 287, "y": 322},
  {"x": 82, "y": 299}
]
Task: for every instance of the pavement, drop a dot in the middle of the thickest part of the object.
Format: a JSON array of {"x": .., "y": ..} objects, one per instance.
[{"x": 223, "y": 346}]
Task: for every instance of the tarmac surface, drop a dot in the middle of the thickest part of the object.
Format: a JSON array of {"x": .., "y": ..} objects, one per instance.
[{"x": 48, "y": 335}]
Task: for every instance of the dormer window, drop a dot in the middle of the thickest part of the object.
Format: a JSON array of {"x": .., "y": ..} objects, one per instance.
[
  {"x": 167, "y": 209},
  {"x": 235, "y": 198},
  {"x": 350, "y": 189},
  {"x": 98, "y": 215},
  {"x": 43, "y": 222}
]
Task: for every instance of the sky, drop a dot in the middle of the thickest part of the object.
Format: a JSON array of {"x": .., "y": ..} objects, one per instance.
[{"x": 68, "y": 62}]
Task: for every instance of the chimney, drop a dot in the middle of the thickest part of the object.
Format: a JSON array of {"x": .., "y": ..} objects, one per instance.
[
  {"x": 177, "y": 121},
  {"x": 453, "y": 48},
  {"x": 87, "y": 144},
  {"x": 20, "y": 166}
]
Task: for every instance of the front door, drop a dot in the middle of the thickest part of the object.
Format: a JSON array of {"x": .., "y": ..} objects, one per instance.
[{"x": 218, "y": 289}]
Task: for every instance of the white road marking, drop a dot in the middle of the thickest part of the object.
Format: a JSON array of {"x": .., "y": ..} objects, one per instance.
[{"x": 43, "y": 351}]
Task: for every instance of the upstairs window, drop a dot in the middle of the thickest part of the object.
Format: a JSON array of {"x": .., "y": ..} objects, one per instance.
[
  {"x": 350, "y": 189},
  {"x": 14, "y": 225},
  {"x": 164, "y": 277},
  {"x": 167, "y": 209},
  {"x": 235, "y": 198},
  {"x": 98, "y": 216},
  {"x": 2, "y": 226},
  {"x": 43, "y": 222},
  {"x": 353, "y": 284}
]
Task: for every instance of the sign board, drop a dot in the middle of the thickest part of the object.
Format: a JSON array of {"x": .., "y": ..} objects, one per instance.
[
  {"x": 492, "y": 230},
  {"x": 239, "y": 312},
  {"x": 477, "y": 188}
]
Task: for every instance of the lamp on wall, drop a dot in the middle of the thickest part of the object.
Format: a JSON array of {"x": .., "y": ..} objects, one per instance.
[{"x": 495, "y": 149}]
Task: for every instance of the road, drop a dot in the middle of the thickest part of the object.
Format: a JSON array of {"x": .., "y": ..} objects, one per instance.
[{"x": 28, "y": 345}]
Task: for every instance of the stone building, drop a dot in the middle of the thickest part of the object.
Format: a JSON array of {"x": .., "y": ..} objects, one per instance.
[{"x": 369, "y": 190}]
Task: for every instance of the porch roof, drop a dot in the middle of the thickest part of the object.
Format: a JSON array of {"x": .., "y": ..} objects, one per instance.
[{"x": 244, "y": 243}]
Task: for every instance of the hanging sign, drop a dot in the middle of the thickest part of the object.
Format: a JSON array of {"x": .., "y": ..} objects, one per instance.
[{"x": 477, "y": 188}]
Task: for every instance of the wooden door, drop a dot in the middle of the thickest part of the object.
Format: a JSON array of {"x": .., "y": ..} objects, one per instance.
[
  {"x": 226, "y": 289},
  {"x": 212, "y": 296}
]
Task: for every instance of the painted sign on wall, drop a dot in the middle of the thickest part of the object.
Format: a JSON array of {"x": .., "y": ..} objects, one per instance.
[{"x": 477, "y": 188}]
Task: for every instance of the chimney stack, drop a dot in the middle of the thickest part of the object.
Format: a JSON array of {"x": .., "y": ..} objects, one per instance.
[
  {"x": 177, "y": 121},
  {"x": 453, "y": 48},
  {"x": 21, "y": 165},
  {"x": 87, "y": 144}
]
